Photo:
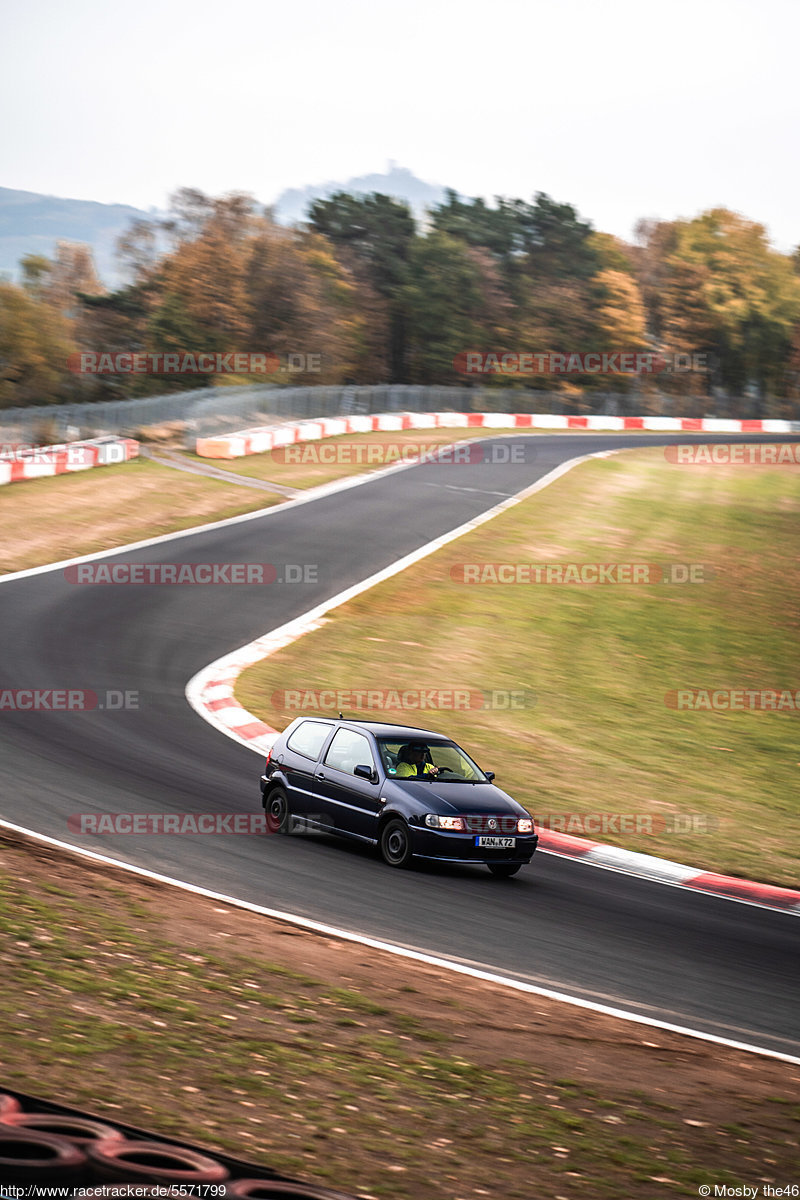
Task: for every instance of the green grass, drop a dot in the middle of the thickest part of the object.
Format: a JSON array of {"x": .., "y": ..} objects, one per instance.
[{"x": 591, "y": 666}]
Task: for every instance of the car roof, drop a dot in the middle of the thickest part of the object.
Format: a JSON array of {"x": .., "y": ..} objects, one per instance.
[
  {"x": 403, "y": 733},
  {"x": 400, "y": 733}
]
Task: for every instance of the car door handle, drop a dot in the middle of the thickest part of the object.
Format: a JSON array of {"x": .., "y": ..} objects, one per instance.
[{"x": 320, "y": 775}]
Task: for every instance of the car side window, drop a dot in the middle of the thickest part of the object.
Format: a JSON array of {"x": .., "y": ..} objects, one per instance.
[
  {"x": 308, "y": 739},
  {"x": 349, "y": 750}
]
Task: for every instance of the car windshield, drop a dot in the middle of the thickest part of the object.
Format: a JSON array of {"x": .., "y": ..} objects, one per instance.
[{"x": 415, "y": 759}]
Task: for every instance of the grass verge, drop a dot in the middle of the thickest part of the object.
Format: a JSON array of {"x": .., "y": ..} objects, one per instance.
[{"x": 44, "y": 520}]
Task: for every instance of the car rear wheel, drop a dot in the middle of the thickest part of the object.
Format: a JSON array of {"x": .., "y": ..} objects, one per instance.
[
  {"x": 276, "y": 807},
  {"x": 395, "y": 843},
  {"x": 504, "y": 870}
]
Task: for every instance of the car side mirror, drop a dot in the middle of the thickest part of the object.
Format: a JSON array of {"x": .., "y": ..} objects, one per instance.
[
  {"x": 365, "y": 772},
  {"x": 489, "y": 775}
]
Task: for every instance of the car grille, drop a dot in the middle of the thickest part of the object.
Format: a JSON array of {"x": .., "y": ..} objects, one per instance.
[{"x": 491, "y": 823}]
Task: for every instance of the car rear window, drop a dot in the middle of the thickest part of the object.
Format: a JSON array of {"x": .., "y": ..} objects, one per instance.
[{"x": 308, "y": 739}]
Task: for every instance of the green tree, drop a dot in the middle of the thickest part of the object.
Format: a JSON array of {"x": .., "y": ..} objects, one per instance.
[
  {"x": 543, "y": 241},
  {"x": 373, "y": 236},
  {"x": 454, "y": 301}
]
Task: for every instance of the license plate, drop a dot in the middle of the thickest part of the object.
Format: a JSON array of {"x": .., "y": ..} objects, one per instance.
[{"x": 495, "y": 843}]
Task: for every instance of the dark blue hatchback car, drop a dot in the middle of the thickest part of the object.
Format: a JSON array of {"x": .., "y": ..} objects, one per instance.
[{"x": 411, "y": 792}]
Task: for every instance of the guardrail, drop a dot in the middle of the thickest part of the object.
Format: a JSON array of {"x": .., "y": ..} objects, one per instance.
[{"x": 207, "y": 412}]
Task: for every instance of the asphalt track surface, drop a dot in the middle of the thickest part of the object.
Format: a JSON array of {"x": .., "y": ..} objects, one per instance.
[{"x": 691, "y": 959}]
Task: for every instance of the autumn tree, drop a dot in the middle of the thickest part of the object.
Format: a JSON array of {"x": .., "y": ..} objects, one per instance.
[
  {"x": 204, "y": 302},
  {"x": 303, "y": 302},
  {"x": 35, "y": 342},
  {"x": 714, "y": 285}
]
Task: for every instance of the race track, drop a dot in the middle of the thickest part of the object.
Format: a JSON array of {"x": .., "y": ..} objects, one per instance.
[{"x": 692, "y": 959}]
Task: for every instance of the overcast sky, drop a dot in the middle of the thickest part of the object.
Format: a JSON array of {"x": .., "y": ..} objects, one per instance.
[{"x": 624, "y": 108}]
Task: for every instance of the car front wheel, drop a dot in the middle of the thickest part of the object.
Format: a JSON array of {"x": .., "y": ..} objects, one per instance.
[
  {"x": 279, "y": 818},
  {"x": 395, "y": 843}
]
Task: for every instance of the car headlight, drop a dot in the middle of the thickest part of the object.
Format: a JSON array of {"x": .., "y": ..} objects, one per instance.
[
  {"x": 525, "y": 825},
  {"x": 454, "y": 824}
]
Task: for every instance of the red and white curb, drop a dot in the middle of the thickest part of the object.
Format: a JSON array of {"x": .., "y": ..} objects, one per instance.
[
  {"x": 267, "y": 437},
  {"x": 37, "y": 462},
  {"x": 211, "y": 695},
  {"x": 663, "y": 871}
]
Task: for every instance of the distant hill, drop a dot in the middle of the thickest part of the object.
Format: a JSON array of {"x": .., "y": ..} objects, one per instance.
[
  {"x": 32, "y": 224},
  {"x": 292, "y": 205}
]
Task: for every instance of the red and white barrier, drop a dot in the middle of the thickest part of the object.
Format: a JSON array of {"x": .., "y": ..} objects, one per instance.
[
  {"x": 37, "y": 462},
  {"x": 263, "y": 438}
]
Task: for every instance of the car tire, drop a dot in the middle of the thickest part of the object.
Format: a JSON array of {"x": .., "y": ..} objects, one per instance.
[
  {"x": 504, "y": 870},
  {"x": 278, "y": 814},
  {"x": 395, "y": 843}
]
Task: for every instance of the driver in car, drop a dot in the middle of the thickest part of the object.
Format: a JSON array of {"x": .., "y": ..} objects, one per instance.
[{"x": 412, "y": 759}]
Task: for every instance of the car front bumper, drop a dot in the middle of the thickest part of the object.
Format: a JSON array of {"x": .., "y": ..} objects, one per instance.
[{"x": 461, "y": 847}]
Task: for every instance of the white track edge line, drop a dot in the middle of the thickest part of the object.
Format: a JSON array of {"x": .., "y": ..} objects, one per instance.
[{"x": 419, "y": 956}]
